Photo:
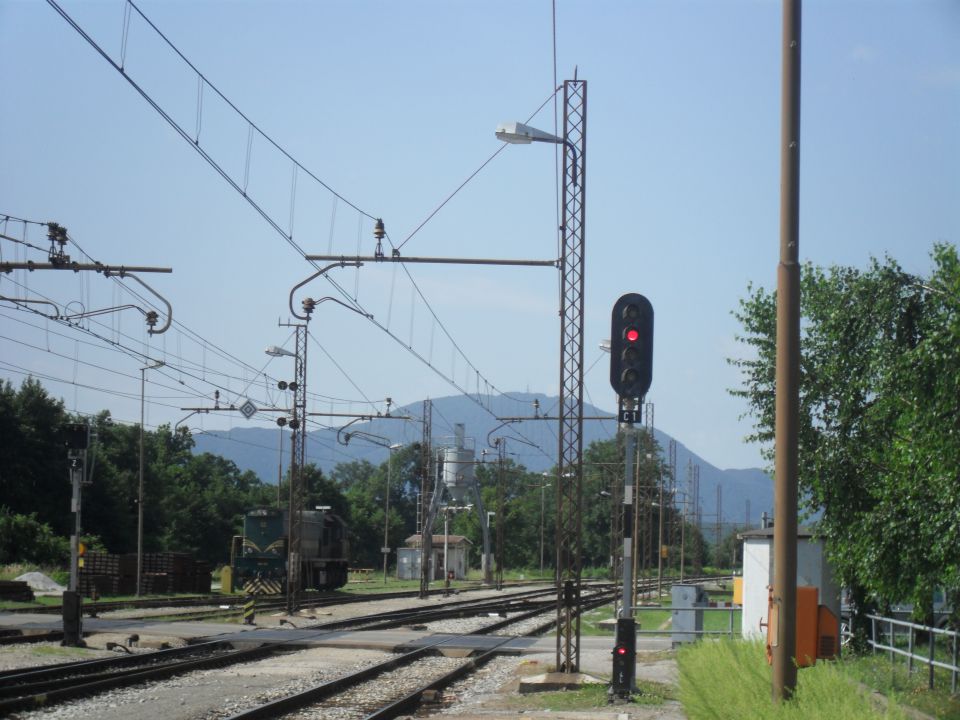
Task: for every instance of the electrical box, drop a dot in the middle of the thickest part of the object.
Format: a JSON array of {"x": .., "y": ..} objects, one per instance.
[
  {"x": 818, "y": 630},
  {"x": 687, "y": 621}
]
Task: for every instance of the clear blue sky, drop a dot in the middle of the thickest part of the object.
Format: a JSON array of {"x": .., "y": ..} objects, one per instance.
[{"x": 393, "y": 105}]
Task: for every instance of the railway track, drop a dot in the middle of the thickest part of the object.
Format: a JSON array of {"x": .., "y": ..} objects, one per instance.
[
  {"x": 350, "y": 693},
  {"x": 227, "y": 605},
  {"x": 353, "y": 692},
  {"x": 41, "y": 688}
]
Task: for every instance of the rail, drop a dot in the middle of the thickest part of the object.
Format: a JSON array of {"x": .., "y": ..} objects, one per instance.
[{"x": 877, "y": 641}]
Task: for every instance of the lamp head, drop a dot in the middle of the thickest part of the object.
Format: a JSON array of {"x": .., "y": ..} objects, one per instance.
[
  {"x": 276, "y": 351},
  {"x": 520, "y": 134}
]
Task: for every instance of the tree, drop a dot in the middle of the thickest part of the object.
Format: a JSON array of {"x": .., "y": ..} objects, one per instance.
[
  {"x": 879, "y": 375},
  {"x": 23, "y": 538},
  {"x": 33, "y": 460}
]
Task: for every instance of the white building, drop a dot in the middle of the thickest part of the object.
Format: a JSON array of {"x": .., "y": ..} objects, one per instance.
[
  {"x": 458, "y": 549},
  {"x": 812, "y": 569}
]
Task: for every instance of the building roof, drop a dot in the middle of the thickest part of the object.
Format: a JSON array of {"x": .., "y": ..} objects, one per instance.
[
  {"x": 414, "y": 540},
  {"x": 803, "y": 533}
]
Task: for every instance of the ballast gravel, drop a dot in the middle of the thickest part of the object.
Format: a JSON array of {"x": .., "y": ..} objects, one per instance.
[{"x": 220, "y": 693}]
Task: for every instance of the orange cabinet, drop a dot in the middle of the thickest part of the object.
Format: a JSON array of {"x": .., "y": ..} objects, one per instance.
[{"x": 818, "y": 630}]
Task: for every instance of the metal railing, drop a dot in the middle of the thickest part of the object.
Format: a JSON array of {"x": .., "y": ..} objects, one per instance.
[
  {"x": 669, "y": 630},
  {"x": 887, "y": 642}
]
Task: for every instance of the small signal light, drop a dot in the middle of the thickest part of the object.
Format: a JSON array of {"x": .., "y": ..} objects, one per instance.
[{"x": 632, "y": 335}]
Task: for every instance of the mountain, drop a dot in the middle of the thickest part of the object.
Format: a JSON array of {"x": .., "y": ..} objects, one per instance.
[{"x": 530, "y": 442}]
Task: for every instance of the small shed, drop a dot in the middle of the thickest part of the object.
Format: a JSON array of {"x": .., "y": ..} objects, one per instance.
[
  {"x": 812, "y": 569},
  {"x": 458, "y": 548}
]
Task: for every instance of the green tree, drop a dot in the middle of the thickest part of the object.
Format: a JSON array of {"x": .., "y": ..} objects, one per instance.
[
  {"x": 23, "y": 538},
  {"x": 33, "y": 461},
  {"x": 364, "y": 496},
  {"x": 879, "y": 354}
]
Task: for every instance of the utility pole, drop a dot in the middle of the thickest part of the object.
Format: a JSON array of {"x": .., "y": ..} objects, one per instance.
[
  {"x": 501, "y": 509},
  {"x": 660, "y": 545},
  {"x": 140, "y": 494},
  {"x": 76, "y": 440},
  {"x": 426, "y": 500},
  {"x": 719, "y": 516},
  {"x": 672, "y": 527},
  {"x": 630, "y": 442},
  {"x": 783, "y": 612}
]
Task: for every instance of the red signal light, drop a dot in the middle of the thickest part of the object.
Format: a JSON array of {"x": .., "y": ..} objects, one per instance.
[
  {"x": 632, "y": 335},
  {"x": 620, "y": 650}
]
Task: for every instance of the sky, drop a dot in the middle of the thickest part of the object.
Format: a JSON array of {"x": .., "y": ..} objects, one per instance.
[{"x": 393, "y": 106}]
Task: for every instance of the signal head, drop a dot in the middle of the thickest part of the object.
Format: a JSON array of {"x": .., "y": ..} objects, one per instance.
[{"x": 631, "y": 346}]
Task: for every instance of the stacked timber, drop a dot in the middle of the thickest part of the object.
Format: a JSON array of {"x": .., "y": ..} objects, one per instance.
[
  {"x": 15, "y": 591},
  {"x": 169, "y": 572}
]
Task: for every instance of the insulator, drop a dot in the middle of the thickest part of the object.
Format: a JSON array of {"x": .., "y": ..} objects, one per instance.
[
  {"x": 281, "y": 421},
  {"x": 282, "y": 385},
  {"x": 152, "y": 318},
  {"x": 294, "y": 424},
  {"x": 378, "y": 230},
  {"x": 309, "y": 305},
  {"x": 293, "y": 386}
]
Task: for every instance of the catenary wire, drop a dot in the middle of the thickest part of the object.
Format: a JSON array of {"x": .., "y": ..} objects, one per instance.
[{"x": 219, "y": 169}]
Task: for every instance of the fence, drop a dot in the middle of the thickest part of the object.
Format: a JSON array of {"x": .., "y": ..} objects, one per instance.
[
  {"x": 884, "y": 637},
  {"x": 733, "y": 629}
]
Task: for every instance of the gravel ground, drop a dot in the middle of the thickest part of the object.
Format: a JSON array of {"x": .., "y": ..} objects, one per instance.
[
  {"x": 45, "y": 653},
  {"x": 216, "y": 694},
  {"x": 360, "y": 701},
  {"x": 159, "y": 611}
]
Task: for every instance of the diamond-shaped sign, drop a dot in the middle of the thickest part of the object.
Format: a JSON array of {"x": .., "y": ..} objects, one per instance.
[{"x": 248, "y": 409}]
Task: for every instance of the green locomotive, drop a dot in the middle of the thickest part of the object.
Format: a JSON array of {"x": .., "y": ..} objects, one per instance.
[{"x": 258, "y": 558}]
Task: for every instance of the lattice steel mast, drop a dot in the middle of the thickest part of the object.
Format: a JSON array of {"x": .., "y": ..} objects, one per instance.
[
  {"x": 298, "y": 424},
  {"x": 569, "y": 464}
]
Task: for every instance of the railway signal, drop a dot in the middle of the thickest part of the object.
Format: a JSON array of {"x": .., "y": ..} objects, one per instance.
[
  {"x": 631, "y": 346},
  {"x": 624, "y": 657}
]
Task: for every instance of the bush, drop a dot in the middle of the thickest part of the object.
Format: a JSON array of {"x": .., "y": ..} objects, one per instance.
[{"x": 23, "y": 538}]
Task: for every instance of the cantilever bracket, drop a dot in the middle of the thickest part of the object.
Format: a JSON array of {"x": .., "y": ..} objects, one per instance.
[
  {"x": 322, "y": 271},
  {"x": 123, "y": 273}
]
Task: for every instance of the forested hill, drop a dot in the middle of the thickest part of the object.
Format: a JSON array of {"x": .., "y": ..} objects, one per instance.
[{"x": 257, "y": 449}]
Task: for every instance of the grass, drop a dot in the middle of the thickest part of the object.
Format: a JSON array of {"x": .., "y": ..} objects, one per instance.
[
  {"x": 657, "y": 617},
  {"x": 877, "y": 672},
  {"x": 730, "y": 679}
]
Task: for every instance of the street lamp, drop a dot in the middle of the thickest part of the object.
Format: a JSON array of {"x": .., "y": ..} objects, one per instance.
[
  {"x": 386, "y": 508},
  {"x": 277, "y": 351},
  {"x": 154, "y": 366},
  {"x": 382, "y": 442},
  {"x": 517, "y": 133},
  {"x": 543, "y": 484}
]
